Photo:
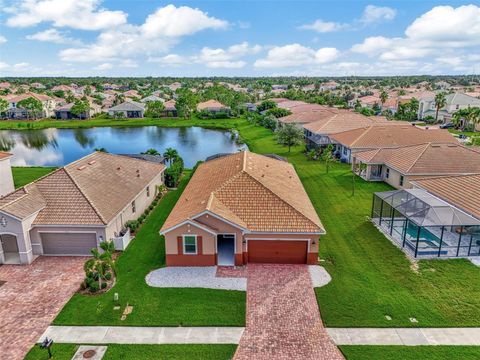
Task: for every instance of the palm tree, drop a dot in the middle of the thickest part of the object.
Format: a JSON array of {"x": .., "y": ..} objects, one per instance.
[
  {"x": 474, "y": 117},
  {"x": 440, "y": 102},
  {"x": 383, "y": 97},
  {"x": 170, "y": 155},
  {"x": 100, "y": 263}
]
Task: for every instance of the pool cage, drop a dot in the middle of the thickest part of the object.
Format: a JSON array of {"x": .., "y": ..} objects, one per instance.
[{"x": 424, "y": 225}]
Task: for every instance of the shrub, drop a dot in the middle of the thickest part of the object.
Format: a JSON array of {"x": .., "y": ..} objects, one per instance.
[
  {"x": 108, "y": 276},
  {"x": 132, "y": 225},
  {"x": 93, "y": 287},
  {"x": 104, "y": 285},
  {"x": 173, "y": 173}
]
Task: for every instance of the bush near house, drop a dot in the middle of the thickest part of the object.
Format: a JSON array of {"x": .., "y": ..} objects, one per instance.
[
  {"x": 174, "y": 172},
  {"x": 100, "y": 268}
]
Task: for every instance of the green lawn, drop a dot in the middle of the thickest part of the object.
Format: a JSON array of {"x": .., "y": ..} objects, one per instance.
[
  {"x": 27, "y": 174},
  {"x": 371, "y": 277},
  {"x": 143, "y": 352},
  {"x": 411, "y": 352},
  {"x": 154, "y": 306}
]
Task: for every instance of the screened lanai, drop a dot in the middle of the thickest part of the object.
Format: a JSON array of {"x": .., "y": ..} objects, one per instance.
[{"x": 424, "y": 225}]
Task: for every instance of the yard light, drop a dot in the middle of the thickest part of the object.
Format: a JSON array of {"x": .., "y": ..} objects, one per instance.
[{"x": 47, "y": 344}]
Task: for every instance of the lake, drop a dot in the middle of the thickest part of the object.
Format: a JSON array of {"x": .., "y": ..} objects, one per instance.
[{"x": 57, "y": 147}]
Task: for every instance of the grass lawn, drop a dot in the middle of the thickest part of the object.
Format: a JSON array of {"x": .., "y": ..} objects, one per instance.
[
  {"x": 154, "y": 306},
  {"x": 371, "y": 277},
  {"x": 143, "y": 352},
  {"x": 411, "y": 352},
  {"x": 25, "y": 175}
]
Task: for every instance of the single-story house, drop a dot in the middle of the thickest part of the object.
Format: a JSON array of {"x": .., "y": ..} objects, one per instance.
[
  {"x": 152, "y": 98},
  {"x": 386, "y": 135},
  {"x": 128, "y": 109},
  {"x": 213, "y": 106},
  {"x": 453, "y": 102},
  {"x": 74, "y": 208},
  {"x": 400, "y": 166},
  {"x": 242, "y": 208},
  {"x": 63, "y": 112},
  {"x": 439, "y": 217},
  {"x": 170, "y": 109}
]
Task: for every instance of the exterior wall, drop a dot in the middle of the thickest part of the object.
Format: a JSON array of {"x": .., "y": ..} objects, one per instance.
[
  {"x": 36, "y": 240},
  {"x": 6, "y": 178},
  {"x": 19, "y": 228},
  {"x": 206, "y": 247},
  {"x": 344, "y": 152},
  {"x": 142, "y": 201}
]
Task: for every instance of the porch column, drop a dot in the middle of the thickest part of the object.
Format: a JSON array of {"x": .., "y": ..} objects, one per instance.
[
  {"x": 381, "y": 213},
  {"x": 459, "y": 239},
  {"x": 441, "y": 240}
]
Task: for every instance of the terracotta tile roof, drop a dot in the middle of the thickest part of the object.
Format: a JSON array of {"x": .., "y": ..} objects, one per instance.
[
  {"x": 342, "y": 121},
  {"x": 253, "y": 191},
  {"x": 89, "y": 191},
  {"x": 461, "y": 191},
  {"x": 4, "y": 155},
  {"x": 307, "y": 116},
  {"x": 39, "y": 97},
  {"x": 211, "y": 104},
  {"x": 426, "y": 159},
  {"x": 391, "y": 134}
]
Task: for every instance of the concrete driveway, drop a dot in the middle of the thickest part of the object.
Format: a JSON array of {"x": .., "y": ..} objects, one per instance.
[{"x": 31, "y": 297}]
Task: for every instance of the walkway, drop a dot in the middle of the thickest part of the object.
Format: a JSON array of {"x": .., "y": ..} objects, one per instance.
[
  {"x": 405, "y": 336},
  {"x": 283, "y": 321},
  {"x": 31, "y": 297},
  {"x": 143, "y": 335}
]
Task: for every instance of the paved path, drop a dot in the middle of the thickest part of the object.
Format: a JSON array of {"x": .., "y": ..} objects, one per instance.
[
  {"x": 283, "y": 321},
  {"x": 31, "y": 298},
  {"x": 143, "y": 335},
  {"x": 405, "y": 336}
]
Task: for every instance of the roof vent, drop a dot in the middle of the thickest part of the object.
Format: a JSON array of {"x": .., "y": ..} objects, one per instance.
[
  {"x": 92, "y": 162},
  {"x": 118, "y": 168},
  {"x": 81, "y": 167}
]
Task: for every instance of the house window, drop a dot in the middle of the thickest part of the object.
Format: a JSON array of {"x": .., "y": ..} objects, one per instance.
[
  {"x": 387, "y": 173},
  {"x": 344, "y": 150},
  {"x": 457, "y": 107},
  {"x": 148, "y": 191},
  {"x": 190, "y": 244},
  {"x": 401, "y": 180},
  {"x": 133, "y": 207}
]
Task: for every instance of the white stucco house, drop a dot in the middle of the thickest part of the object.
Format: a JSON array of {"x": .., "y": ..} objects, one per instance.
[
  {"x": 74, "y": 208},
  {"x": 454, "y": 102}
]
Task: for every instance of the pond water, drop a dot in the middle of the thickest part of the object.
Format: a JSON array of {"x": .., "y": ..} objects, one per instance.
[{"x": 57, "y": 147}]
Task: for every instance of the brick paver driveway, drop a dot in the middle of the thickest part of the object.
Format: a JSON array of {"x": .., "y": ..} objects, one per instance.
[
  {"x": 31, "y": 298},
  {"x": 283, "y": 321}
]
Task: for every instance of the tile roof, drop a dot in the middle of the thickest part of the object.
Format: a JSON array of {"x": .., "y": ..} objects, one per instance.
[
  {"x": 461, "y": 191},
  {"x": 426, "y": 159},
  {"x": 253, "y": 191},
  {"x": 89, "y": 191},
  {"x": 342, "y": 121},
  {"x": 39, "y": 97},
  {"x": 211, "y": 104},
  {"x": 391, "y": 134},
  {"x": 128, "y": 106},
  {"x": 4, "y": 155},
  {"x": 306, "y": 117}
]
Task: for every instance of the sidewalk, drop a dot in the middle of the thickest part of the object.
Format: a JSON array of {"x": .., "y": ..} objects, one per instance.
[
  {"x": 143, "y": 335},
  {"x": 405, "y": 336}
]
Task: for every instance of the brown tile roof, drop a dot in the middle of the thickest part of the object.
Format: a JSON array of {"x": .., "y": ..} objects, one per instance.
[
  {"x": 426, "y": 159},
  {"x": 307, "y": 117},
  {"x": 342, "y": 121},
  {"x": 89, "y": 191},
  {"x": 211, "y": 104},
  {"x": 461, "y": 191},
  {"x": 39, "y": 97},
  {"x": 4, "y": 155},
  {"x": 253, "y": 191},
  {"x": 391, "y": 134}
]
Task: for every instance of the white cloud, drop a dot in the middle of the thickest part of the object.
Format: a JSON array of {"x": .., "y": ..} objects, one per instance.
[
  {"x": 172, "y": 21},
  {"x": 324, "y": 26},
  {"x": 171, "y": 60},
  {"x": 103, "y": 67},
  {"x": 434, "y": 33},
  {"x": 293, "y": 55},
  {"x": 128, "y": 63},
  {"x": 160, "y": 31},
  {"x": 14, "y": 68},
  {"x": 3, "y": 39},
  {"x": 76, "y": 14},
  {"x": 372, "y": 14},
  {"x": 229, "y": 58},
  {"x": 52, "y": 35}
]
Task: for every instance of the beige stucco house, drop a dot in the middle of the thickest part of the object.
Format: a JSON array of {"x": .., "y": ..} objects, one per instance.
[
  {"x": 242, "y": 208},
  {"x": 71, "y": 210}
]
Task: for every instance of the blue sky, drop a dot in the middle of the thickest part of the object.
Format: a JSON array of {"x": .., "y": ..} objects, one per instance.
[{"x": 238, "y": 38}]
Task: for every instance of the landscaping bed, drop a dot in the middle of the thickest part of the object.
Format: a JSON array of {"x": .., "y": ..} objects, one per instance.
[{"x": 363, "y": 352}]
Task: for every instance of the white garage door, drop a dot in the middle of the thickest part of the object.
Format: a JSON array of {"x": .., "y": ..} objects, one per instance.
[{"x": 68, "y": 243}]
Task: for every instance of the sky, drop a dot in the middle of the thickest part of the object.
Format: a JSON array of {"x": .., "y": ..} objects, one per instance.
[{"x": 238, "y": 38}]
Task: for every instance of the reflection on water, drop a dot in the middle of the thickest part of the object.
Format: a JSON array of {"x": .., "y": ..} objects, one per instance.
[{"x": 56, "y": 147}]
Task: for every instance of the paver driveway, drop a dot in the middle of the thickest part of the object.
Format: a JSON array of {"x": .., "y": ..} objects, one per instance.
[
  {"x": 31, "y": 298},
  {"x": 283, "y": 321}
]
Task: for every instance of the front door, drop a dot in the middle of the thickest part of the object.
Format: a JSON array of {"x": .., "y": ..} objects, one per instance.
[{"x": 226, "y": 249}]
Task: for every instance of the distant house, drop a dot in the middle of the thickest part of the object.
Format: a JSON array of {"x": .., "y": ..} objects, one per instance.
[
  {"x": 279, "y": 87},
  {"x": 213, "y": 106},
  {"x": 48, "y": 105},
  {"x": 5, "y": 85},
  {"x": 62, "y": 87},
  {"x": 400, "y": 166},
  {"x": 174, "y": 86},
  {"x": 454, "y": 102},
  {"x": 38, "y": 86},
  {"x": 151, "y": 98},
  {"x": 330, "y": 85},
  {"x": 170, "y": 108},
  {"x": 64, "y": 112},
  {"x": 128, "y": 109},
  {"x": 442, "y": 85}
]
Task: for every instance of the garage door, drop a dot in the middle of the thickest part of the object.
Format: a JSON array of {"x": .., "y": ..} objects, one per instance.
[
  {"x": 277, "y": 251},
  {"x": 68, "y": 243}
]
